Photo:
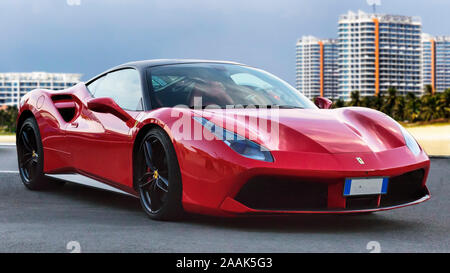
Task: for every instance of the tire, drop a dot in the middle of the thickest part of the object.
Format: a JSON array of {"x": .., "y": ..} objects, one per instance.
[
  {"x": 30, "y": 156},
  {"x": 158, "y": 176}
]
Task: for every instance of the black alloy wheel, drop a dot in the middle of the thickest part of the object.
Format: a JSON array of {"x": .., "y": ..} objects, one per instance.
[
  {"x": 30, "y": 155},
  {"x": 158, "y": 176}
]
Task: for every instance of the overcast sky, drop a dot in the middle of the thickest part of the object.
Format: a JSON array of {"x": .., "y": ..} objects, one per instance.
[{"x": 51, "y": 35}]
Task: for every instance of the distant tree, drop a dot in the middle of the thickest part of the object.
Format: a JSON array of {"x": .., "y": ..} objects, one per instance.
[
  {"x": 412, "y": 107},
  {"x": 338, "y": 103},
  {"x": 428, "y": 89},
  {"x": 389, "y": 102},
  {"x": 443, "y": 104},
  {"x": 368, "y": 101},
  {"x": 8, "y": 119},
  {"x": 13, "y": 113},
  {"x": 355, "y": 98},
  {"x": 428, "y": 110},
  {"x": 398, "y": 111},
  {"x": 2, "y": 119},
  {"x": 378, "y": 102}
]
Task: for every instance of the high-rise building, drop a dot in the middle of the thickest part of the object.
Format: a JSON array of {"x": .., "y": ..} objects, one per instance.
[
  {"x": 316, "y": 67},
  {"x": 436, "y": 62},
  {"x": 378, "y": 51},
  {"x": 14, "y": 85},
  {"x": 428, "y": 60}
]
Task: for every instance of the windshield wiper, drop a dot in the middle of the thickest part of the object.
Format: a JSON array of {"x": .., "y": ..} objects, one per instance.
[
  {"x": 269, "y": 106},
  {"x": 289, "y": 107},
  {"x": 251, "y": 105},
  {"x": 209, "y": 106}
]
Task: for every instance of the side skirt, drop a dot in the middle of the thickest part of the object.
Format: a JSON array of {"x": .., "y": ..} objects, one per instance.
[{"x": 86, "y": 181}]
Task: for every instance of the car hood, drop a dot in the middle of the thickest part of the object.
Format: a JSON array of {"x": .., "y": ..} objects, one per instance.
[{"x": 343, "y": 130}]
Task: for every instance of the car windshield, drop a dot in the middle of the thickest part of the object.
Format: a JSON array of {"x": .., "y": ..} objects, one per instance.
[{"x": 222, "y": 85}]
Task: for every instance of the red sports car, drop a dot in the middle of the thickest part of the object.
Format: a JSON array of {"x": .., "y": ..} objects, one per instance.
[{"x": 217, "y": 138}]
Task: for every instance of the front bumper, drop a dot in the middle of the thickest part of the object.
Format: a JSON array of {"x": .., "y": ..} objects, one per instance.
[
  {"x": 219, "y": 188},
  {"x": 234, "y": 207}
]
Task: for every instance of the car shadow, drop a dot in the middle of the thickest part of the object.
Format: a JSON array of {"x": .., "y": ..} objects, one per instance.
[
  {"x": 96, "y": 197},
  {"x": 308, "y": 223},
  {"x": 304, "y": 223}
]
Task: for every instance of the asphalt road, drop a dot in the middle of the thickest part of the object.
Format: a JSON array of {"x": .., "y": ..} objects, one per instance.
[{"x": 101, "y": 221}]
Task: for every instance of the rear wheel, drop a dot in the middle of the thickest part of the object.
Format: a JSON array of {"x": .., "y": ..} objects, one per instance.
[
  {"x": 30, "y": 155},
  {"x": 158, "y": 177}
]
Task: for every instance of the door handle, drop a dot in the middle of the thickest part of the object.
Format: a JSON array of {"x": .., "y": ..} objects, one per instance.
[{"x": 74, "y": 124}]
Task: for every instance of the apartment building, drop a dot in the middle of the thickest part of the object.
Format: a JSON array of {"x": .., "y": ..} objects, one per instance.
[
  {"x": 378, "y": 51},
  {"x": 14, "y": 85},
  {"x": 316, "y": 67},
  {"x": 436, "y": 62}
]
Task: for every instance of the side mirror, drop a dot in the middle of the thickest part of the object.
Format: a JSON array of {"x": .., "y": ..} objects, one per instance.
[
  {"x": 108, "y": 105},
  {"x": 323, "y": 103}
]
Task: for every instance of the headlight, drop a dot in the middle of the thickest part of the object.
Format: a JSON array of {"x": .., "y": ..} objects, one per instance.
[
  {"x": 237, "y": 143},
  {"x": 410, "y": 141}
]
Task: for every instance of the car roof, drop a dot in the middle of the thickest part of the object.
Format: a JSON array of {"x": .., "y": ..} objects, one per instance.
[
  {"x": 141, "y": 65},
  {"x": 157, "y": 62}
]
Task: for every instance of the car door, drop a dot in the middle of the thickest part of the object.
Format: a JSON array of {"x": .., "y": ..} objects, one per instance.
[{"x": 100, "y": 143}]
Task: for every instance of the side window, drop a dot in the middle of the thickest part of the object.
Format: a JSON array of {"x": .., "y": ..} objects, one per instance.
[
  {"x": 123, "y": 86},
  {"x": 92, "y": 87}
]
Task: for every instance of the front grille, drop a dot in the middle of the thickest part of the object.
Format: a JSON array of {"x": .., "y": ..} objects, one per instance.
[
  {"x": 279, "y": 193},
  {"x": 362, "y": 202},
  {"x": 404, "y": 188}
]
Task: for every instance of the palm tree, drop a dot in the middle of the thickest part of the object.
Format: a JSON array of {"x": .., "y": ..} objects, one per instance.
[
  {"x": 355, "y": 98},
  {"x": 2, "y": 119},
  {"x": 412, "y": 107},
  {"x": 378, "y": 102},
  {"x": 368, "y": 101},
  {"x": 8, "y": 119},
  {"x": 338, "y": 103},
  {"x": 429, "y": 109},
  {"x": 398, "y": 111},
  {"x": 443, "y": 104},
  {"x": 428, "y": 89},
  {"x": 389, "y": 103}
]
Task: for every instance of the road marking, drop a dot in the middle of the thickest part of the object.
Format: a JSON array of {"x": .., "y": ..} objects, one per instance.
[
  {"x": 7, "y": 144},
  {"x": 9, "y": 171}
]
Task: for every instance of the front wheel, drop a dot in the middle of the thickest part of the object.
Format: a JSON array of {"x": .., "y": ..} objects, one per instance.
[{"x": 158, "y": 177}]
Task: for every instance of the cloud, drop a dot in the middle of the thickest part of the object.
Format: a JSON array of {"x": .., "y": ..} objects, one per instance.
[{"x": 53, "y": 36}]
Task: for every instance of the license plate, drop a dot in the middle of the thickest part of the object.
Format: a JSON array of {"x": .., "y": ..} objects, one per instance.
[{"x": 365, "y": 186}]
